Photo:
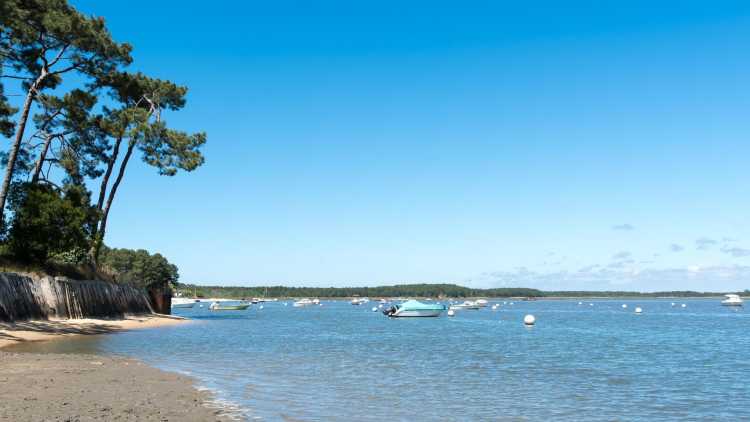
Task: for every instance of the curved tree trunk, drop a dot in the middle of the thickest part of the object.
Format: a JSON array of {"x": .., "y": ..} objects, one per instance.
[
  {"x": 40, "y": 160},
  {"x": 105, "y": 212},
  {"x": 13, "y": 153}
]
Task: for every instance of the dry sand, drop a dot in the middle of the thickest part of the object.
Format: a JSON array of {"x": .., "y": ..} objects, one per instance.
[
  {"x": 14, "y": 332},
  {"x": 61, "y": 387}
]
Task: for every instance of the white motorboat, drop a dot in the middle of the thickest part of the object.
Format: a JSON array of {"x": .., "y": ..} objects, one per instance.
[
  {"x": 482, "y": 303},
  {"x": 183, "y": 303},
  {"x": 360, "y": 300},
  {"x": 303, "y": 302},
  {"x": 732, "y": 300},
  {"x": 466, "y": 305}
]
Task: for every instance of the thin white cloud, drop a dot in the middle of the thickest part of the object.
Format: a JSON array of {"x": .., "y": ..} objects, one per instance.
[
  {"x": 704, "y": 243},
  {"x": 623, "y": 227},
  {"x": 735, "y": 251}
]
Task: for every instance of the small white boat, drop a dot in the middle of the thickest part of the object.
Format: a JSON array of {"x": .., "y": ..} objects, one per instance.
[
  {"x": 359, "y": 300},
  {"x": 482, "y": 303},
  {"x": 383, "y": 301},
  {"x": 181, "y": 303},
  {"x": 413, "y": 308},
  {"x": 466, "y": 305},
  {"x": 316, "y": 301},
  {"x": 303, "y": 302},
  {"x": 732, "y": 300}
]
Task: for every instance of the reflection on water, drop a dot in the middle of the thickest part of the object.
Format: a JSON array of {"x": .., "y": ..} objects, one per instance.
[{"x": 341, "y": 362}]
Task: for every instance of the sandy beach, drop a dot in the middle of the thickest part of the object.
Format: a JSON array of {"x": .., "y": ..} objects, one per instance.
[
  {"x": 63, "y": 387},
  {"x": 21, "y": 331}
]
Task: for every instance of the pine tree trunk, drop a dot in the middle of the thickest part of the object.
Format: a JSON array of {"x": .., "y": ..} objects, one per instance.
[
  {"x": 105, "y": 212},
  {"x": 108, "y": 173},
  {"x": 40, "y": 160},
  {"x": 13, "y": 153}
]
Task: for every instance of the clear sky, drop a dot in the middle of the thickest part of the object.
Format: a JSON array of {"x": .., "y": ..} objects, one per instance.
[{"x": 559, "y": 145}]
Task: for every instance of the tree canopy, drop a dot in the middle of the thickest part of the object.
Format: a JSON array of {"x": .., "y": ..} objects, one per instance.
[{"x": 81, "y": 116}]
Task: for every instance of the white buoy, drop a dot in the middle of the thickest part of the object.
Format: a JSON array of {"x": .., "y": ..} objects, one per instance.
[
  {"x": 261, "y": 306},
  {"x": 494, "y": 307},
  {"x": 624, "y": 306},
  {"x": 683, "y": 305},
  {"x": 286, "y": 304},
  {"x": 511, "y": 303},
  {"x": 673, "y": 304},
  {"x": 380, "y": 306},
  {"x": 529, "y": 320},
  {"x": 451, "y": 312},
  {"x": 591, "y": 304},
  {"x": 505, "y": 303},
  {"x": 638, "y": 310},
  {"x": 580, "y": 303}
]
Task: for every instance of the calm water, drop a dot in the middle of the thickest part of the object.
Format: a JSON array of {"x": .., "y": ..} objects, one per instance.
[{"x": 340, "y": 362}]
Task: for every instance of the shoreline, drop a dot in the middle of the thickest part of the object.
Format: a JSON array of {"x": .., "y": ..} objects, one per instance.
[
  {"x": 53, "y": 386},
  {"x": 46, "y": 330}
]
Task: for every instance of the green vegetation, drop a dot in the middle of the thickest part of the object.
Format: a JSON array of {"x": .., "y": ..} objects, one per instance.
[
  {"x": 138, "y": 268},
  {"x": 404, "y": 290},
  {"x": 82, "y": 119},
  {"x": 408, "y": 290}
]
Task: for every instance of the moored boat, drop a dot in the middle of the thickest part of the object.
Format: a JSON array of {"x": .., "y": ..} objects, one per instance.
[
  {"x": 732, "y": 300},
  {"x": 303, "y": 302},
  {"x": 466, "y": 305},
  {"x": 181, "y": 303},
  {"x": 216, "y": 306},
  {"x": 482, "y": 303},
  {"x": 413, "y": 308}
]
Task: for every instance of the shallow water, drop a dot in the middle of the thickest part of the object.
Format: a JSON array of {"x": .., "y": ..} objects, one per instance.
[{"x": 341, "y": 362}]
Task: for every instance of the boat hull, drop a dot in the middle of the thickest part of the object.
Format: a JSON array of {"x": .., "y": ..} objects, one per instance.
[
  {"x": 424, "y": 313},
  {"x": 183, "y": 305},
  {"x": 731, "y": 303},
  {"x": 230, "y": 308}
]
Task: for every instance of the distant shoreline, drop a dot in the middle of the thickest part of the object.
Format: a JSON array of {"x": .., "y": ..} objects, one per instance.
[{"x": 434, "y": 291}]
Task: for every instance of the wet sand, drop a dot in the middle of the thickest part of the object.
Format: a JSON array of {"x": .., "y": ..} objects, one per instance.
[
  {"x": 66, "y": 387},
  {"x": 52, "y": 387}
]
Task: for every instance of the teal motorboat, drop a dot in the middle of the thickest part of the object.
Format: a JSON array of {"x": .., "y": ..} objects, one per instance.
[{"x": 413, "y": 308}]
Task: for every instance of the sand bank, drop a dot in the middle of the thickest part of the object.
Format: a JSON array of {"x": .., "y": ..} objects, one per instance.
[
  {"x": 57, "y": 387},
  {"x": 66, "y": 387},
  {"x": 14, "y": 332}
]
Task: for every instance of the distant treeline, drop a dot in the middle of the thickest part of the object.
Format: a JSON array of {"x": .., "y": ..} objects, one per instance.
[
  {"x": 404, "y": 290},
  {"x": 409, "y": 290}
]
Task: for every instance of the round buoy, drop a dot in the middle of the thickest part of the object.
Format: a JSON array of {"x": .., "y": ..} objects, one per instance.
[
  {"x": 380, "y": 306},
  {"x": 494, "y": 307},
  {"x": 591, "y": 304},
  {"x": 451, "y": 312},
  {"x": 261, "y": 306},
  {"x": 580, "y": 303},
  {"x": 673, "y": 304},
  {"x": 638, "y": 310},
  {"x": 683, "y": 305},
  {"x": 511, "y": 303},
  {"x": 624, "y": 306},
  {"x": 374, "y": 309},
  {"x": 529, "y": 320}
]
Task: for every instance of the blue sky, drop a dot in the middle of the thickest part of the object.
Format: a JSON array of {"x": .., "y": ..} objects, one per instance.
[{"x": 482, "y": 143}]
